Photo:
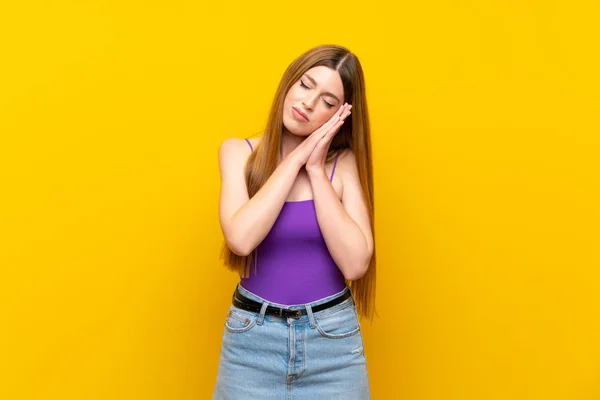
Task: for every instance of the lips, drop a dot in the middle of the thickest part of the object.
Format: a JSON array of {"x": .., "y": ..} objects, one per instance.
[{"x": 300, "y": 112}]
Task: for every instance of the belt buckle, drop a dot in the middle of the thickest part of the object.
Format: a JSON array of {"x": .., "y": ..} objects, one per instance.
[{"x": 296, "y": 313}]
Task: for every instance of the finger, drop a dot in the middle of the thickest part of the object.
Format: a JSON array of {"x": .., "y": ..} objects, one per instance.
[
  {"x": 345, "y": 114},
  {"x": 335, "y": 129},
  {"x": 337, "y": 116},
  {"x": 331, "y": 124},
  {"x": 348, "y": 109},
  {"x": 331, "y": 132},
  {"x": 340, "y": 115},
  {"x": 340, "y": 111},
  {"x": 326, "y": 140},
  {"x": 335, "y": 119}
]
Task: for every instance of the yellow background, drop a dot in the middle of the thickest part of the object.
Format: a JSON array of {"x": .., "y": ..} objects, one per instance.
[{"x": 485, "y": 120}]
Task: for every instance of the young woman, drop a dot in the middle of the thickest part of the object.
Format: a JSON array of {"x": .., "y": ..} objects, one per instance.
[{"x": 296, "y": 210}]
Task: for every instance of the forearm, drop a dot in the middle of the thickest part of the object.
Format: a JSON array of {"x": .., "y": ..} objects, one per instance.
[
  {"x": 253, "y": 221},
  {"x": 344, "y": 238}
]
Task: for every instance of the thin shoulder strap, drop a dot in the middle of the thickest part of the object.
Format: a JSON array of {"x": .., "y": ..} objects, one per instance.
[
  {"x": 250, "y": 144},
  {"x": 334, "y": 165}
]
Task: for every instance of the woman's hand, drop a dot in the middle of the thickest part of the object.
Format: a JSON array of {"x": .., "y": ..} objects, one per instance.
[
  {"x": 316, "y": 160},
  {"x": 322, "y": 136}
]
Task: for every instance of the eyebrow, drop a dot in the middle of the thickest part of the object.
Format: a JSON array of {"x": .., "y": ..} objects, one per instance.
[{"x": 315, "y": 83}]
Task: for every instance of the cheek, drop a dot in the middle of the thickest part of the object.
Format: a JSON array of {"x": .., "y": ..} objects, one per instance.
[
  {"x": 288, "y": 102},
  {"x": 325, "y": 116},
  {"x": 292, "y": 93}
]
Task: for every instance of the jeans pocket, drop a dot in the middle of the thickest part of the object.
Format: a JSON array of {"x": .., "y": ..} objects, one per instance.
[
  {"x": 339, "y": 324},
  {"x": 239, "y": 320}
]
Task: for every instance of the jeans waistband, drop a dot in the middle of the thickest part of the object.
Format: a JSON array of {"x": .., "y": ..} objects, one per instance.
[{"x": 256, "y": 297}]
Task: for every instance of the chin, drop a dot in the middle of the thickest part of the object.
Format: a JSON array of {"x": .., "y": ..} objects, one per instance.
[
  {"x": 293, "y": 129},
  {"x": 298, "y": 133}
]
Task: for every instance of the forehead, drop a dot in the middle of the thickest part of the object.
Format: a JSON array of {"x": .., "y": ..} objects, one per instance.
[{"x": 327, "y": 80}]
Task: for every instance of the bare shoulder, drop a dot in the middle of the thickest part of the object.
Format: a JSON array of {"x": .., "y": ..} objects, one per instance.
[
  {"x": 233, "y": 155},
  {"x": 347, "y": 162},
  {"x": 351, "y": 187},
  {"x": 234, "y": 145},
  {"x": 234, "y": 151}
]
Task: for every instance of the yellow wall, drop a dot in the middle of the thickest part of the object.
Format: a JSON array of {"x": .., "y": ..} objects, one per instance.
[{"x": 485, "y": 129}]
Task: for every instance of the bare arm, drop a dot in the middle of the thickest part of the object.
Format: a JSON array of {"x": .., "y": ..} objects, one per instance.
[
  {"x": 345, "y": 225},
  {"x": 246, "y": 222}
]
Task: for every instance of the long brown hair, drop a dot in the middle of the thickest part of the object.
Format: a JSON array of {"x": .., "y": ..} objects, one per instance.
[{"x": 354, "y": 134}]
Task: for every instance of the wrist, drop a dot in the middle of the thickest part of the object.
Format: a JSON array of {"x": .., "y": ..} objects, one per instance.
[
  {"x": 315, "y": 172},
  {"x": 297, "y": 162},
  {"x": 294, "y": 160}
]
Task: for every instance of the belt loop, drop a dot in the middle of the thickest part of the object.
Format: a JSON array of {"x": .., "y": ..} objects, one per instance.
[
  {"x": 351, "y": 295},
  {"x": 311, "y": 318},
  {"x": 261, "y": 315},
  {"x": 234, "y": 292}
]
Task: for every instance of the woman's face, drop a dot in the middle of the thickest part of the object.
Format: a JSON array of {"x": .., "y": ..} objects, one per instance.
[{"x": 318, "y": 94}]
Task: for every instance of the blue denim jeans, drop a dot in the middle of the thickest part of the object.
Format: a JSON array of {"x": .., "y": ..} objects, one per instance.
[{"x": 316, "y": 356}]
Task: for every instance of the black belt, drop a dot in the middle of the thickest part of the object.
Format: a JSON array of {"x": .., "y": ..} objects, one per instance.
[{"x": 247, "y": 304}]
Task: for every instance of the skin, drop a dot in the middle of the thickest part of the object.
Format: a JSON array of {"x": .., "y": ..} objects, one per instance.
[
  {"x": 301, "y": 174},
  {"x": 318, "y": 99}
]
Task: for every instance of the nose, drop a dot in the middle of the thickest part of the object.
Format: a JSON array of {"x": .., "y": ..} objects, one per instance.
[{"x": 309, "y": 101}]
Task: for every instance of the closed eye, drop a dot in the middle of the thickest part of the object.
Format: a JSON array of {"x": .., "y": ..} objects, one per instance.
[{"x": 306, "y": 87}]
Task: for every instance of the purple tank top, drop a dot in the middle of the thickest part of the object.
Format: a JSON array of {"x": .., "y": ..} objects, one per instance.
[{"x": 293, "y": 264}]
